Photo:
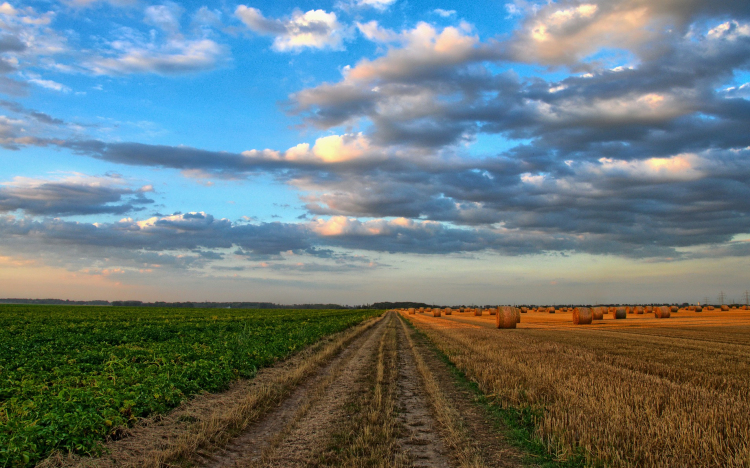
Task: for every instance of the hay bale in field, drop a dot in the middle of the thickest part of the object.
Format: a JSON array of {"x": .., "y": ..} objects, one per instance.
[
  {"x": 412, "y": 311},
  {"x": 638, "y": 310},
  {"x": 648, "y": 309},
  {"x": 551, "y": 310},
  {"x": 661, "y": 312},
  {"x": 674, "y": 309},
  {"x": 524, "y": 310},
  {"x": 478, "y": 312},
  {"x": 518, "y": 314},
  {"x": 597, "y": 313},
  {"x": 506, "y": 317},
  {"x": 725, "y": 308},
  {"x": 629, "y": 310},
  {"x": 744, "y": 307},
  {"x": 492, "y": 311},
  {"x": 698, "y": 309},
  {"x": 618, "y": 313},
  {"x": 448, "y": 311},
  {"x": 582, "y": 316}
]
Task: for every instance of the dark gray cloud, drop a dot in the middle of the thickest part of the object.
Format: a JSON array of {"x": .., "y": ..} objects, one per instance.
[
  {"x": 71, "y": 197},
  {"x": 11, "y": 43},
  {"x": 36, "y": 115}
]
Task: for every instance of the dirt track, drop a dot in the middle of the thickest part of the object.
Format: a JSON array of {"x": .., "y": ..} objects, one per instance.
[
  {"x": 379, "y": 397},
  {"x": 314, "y": 427}
]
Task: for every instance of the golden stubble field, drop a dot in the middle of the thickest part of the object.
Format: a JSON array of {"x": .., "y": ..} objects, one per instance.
[{"x": 639, "y": 392}]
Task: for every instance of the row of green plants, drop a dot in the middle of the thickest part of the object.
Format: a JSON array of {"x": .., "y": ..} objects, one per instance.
[{"x": 70, "y": 376}]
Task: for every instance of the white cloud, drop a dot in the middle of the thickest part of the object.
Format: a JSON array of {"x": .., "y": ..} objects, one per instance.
[
  {"x": 315, "y": 29},
  {"x": 380, "y": 5},
  {"x": 374, "y": 32},
  {"x": 48, "y": 84},
  {"x": 166, "y": 53},
  {"x": 91, "y": 3},
  {"x": 165, "y": 17},
  {"x": 731, "y": 30},
  {"x": 444, "y": 13}
]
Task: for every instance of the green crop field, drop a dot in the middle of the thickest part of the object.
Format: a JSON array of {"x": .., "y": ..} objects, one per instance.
[{"x": 70, "y": 375}]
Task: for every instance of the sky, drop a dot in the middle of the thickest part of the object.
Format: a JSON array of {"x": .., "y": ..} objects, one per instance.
[{"x": 355, "y": 151}]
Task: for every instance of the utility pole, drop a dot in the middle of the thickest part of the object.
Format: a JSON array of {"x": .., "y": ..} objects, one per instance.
[
  {"x": 747, "y": 297},
  {"x": 705, "y": 300},
  {"x": 721, "y": 298}
]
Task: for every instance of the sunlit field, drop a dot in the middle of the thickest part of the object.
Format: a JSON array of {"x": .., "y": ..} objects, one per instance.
[{"x": 635, "y": 392}]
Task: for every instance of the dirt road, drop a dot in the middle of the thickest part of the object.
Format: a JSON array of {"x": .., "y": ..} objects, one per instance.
[
  {"x": 376, "y": 395},
  {"x": 384, "y": 400}
]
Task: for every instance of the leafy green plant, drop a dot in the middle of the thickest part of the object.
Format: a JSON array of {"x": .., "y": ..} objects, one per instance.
[{"x": 70, "y": 376}]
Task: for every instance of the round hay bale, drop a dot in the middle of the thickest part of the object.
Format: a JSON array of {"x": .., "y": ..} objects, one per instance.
[
  {"x": 518, "y": 314},
  {"x": 618, "y": 313},
  {"x": 551, "y": 310},
  {"x": 448, "y": 311},
  {"x": 436, "y": 312},
  {"x": 411, "y": 311},
  {"x": 492, "y": 310},
  {"x": 698, "y": 309},
  {"x": 638, "y": 310},
  {"x": 649, "y": 309},
  {"x": 524, "y": 310},
  {"x": 597, "y": 313},
  {"x": 674, "y": 309},
  {"x": 582, "y": 316},
  {"x": 661, "y": 312},
  {"x": 629, "y": 310},
  {"x": 744, "y": 307},
  {"x": 725, "y": 308},
  {"x": 506, "y": 317},
  {"x": 477, "y": 312}
]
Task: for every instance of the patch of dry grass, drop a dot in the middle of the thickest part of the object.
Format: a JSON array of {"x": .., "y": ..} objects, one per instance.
[{"x": 627, "y": 397}]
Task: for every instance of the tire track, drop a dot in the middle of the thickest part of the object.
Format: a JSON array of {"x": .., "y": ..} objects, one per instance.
[{"x": 291, "y": 434}]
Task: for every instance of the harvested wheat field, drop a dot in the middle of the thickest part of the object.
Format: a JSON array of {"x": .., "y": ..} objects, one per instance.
[{"x": 638, "y": 392}]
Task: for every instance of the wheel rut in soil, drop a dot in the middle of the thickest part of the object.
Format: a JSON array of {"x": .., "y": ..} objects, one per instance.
[
  {"x": 420, "y": 438},
  {"x": 304, "y": 427},
  {"x": 291, "y": 434}
]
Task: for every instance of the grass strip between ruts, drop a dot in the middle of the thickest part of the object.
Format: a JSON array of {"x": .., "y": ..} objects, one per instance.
[{"x": 515, "y": 423}]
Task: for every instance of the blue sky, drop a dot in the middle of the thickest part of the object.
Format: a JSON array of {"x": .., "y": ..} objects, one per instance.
[{"x": 362, "y": 150}]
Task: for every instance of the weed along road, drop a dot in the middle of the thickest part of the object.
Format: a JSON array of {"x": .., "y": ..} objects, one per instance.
[{"x": 374, "y": 395}]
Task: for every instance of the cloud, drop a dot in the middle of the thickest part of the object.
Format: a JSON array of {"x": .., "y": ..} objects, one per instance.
[
  {"x": 9, "y": 43},
  {"x": 72, "y": 195},
  {"x": 47, "y": 84},
  {"x": 168, "y": 52},
  {"x": 315, "y": 29},
  {"x": 380, "y": 5},
  {"x": 174, "y": 57},
  {"x": 26, "y": 38},
  {"x": 91, "y": 3},
  {"x": 444, "y": 13},
  {"x": 166, "y": 17},
  {"x": 36, "y": 115},
  {"x": 564, "y": 33}
]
